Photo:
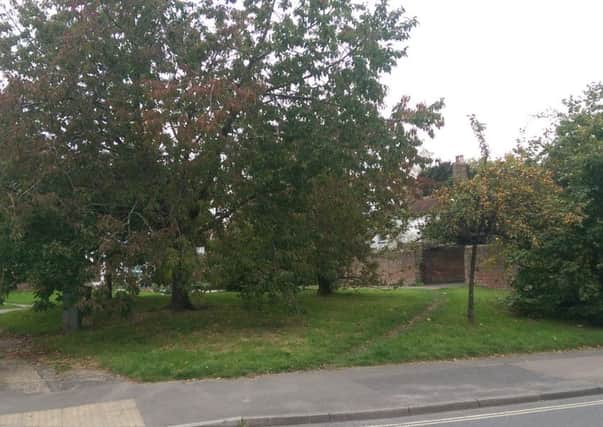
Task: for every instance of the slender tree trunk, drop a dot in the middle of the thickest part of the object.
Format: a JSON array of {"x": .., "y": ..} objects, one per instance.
[
  {"x": 325, "y": 286},
  {"x": 471, "y": 299},
  {"x": 109, "y": 285},
  {"x": 180, "y": 299}
]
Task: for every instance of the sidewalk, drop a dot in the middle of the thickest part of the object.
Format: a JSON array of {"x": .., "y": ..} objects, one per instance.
[{"x": 346, "y": 392}]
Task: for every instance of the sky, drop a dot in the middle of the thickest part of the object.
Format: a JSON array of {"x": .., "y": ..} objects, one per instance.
[{"x": 504, "y": 61}]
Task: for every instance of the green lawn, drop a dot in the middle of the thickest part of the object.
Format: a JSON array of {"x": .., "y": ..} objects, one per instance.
[
  {"x": 20, "y": 297},
  {"x": 350, "y": 328}
]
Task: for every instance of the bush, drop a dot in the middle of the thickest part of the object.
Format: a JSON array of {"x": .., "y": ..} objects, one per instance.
[
  {"x": 563, "y": 276},
  {"x": 560, "y": 279}
]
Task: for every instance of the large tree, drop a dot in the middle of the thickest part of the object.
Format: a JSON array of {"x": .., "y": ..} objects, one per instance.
[
  {"x": 151, "y": 127},
  {"x": 73, "y": 131}
]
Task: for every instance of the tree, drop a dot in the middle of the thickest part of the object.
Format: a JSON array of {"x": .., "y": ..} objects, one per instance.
[
  {"x": 73, "y": 135},
  {"x": 563, "y": 277},
  {"x": 434, "y": 176},
  {"x": 323, "y": 207},
  {"x": 334, "y": 133},
  {"x": 507, "y": 200},
  {"x": 154, "y": 127}
]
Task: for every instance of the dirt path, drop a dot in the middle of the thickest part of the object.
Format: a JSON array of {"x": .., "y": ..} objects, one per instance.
[
  {"x": 401, "y": 328},
  {"x": 14, "y": 307},
  {"x": 424, "y": 315}
]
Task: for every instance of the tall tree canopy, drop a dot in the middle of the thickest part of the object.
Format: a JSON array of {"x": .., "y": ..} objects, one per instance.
[{"x": 152, "y": 127}]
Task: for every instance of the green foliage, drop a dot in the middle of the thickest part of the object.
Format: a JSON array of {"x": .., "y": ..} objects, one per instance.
[
  {"x": 260, "y": 260},
  {"x": 434, "y": 176},
  {"x": 563, "y": 277},
  {"x": 9, "y": 278},
  {"x": 155, "y": 127},
  {"x": 508, "y": 199},
  {"x": 327, "y": 171},
  {"x": 44, "y": 250}
]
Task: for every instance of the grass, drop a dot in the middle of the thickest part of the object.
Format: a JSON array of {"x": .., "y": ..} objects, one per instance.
[
  {"x": 446, "y": 334},
  {"x": 362, "y": 327},
  {"x": 20, "y": 297}
]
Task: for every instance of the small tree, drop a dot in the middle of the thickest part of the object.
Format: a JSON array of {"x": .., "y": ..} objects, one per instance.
[{"x": 507, "y": 200}]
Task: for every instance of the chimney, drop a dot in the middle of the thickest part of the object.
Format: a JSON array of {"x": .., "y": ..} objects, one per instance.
[{"x": 459, "y": 170}]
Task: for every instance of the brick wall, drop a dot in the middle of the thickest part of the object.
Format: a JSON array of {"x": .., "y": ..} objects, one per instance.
[
  {"x": 399, "y": 267},
  {"x": 443, "y": 264},
  {"x": 421, "y": 264},
  {"x": 490, "y": 269}
]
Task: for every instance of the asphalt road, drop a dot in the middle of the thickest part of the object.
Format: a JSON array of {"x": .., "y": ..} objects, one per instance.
[{"x": 580, "y": 412}]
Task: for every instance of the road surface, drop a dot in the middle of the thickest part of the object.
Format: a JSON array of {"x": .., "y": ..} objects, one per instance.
[{"x": 580, "y": 412}]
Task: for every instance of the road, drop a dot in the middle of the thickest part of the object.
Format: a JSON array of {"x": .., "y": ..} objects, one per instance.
[{"x": 579, "y": 412}]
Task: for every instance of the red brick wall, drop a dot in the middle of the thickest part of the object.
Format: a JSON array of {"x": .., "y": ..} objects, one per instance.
[
  {"x": 398, "y": 267},
  {"x": 443, "y": 264},
  {"x": 490, "y": 269}
]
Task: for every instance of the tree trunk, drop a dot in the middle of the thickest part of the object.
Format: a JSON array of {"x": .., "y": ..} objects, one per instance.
[
  {"x": 72, "y": 317},
  {"x": 180, "y": 299},
  {"x": 109, "y": 285},
  {"x": 471, "y": 299},
  {"x": 325, "y": 286},
  {"x": 72, "y": 320}
]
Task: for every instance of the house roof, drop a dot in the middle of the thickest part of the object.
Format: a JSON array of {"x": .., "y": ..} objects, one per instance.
[{"x": 422, "y": 206}]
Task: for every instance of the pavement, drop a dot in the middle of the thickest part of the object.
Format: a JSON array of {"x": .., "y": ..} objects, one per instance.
[{"x": 35, "y": 395}]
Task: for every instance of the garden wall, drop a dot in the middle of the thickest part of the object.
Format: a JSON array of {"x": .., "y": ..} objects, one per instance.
[
  {"x": 490, "y": 268},
  {"x": 426, "y": 264},
  {"x": 416, "y": 264},
  {"x": 443, "y": 264},
  {"x": 399, "y": 267}
]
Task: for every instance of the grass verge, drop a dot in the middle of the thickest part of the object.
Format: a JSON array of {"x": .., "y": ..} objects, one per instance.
[
  {"x": 223, "y": 339},
  {"x": 20, "y": 297},
  {"x": 362, "y": 327}
]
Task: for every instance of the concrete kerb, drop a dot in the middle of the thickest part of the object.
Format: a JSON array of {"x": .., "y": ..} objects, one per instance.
[{"x": 285, "y": 420}]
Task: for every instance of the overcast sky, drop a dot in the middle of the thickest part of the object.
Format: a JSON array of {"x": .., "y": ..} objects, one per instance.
[{"x": 502, "y": 60}]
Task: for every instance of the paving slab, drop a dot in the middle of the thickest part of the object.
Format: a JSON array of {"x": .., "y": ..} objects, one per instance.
[{"x": 115, "y": 414}]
